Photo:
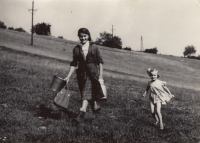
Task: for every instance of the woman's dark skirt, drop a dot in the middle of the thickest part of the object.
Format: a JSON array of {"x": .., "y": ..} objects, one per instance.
[{"x": 87, "y": 90}]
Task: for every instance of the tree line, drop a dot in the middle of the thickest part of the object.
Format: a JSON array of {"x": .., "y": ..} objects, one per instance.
[
  {"x": 2, "y": 25},
  {"x": 104, "y": 39}
]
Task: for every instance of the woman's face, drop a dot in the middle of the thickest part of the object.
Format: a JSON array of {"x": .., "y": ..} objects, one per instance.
[{"x": 83, "y": 38}]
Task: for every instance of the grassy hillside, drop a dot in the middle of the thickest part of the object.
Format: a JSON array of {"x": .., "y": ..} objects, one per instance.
[
  {"x": 125, "y": 116},
  {"x": 26, "y": 72},
  {"x": 176, "y": 71}
]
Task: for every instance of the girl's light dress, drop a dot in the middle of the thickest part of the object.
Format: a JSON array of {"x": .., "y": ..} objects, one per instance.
[{"x": 158, "y": 93}]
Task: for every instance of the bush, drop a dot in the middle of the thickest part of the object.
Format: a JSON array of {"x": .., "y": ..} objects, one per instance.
[
  {"x": 20, "y": 29},
  {"x": 153, "y": 50},
  {"x": 194, "y": 57},
  {"x": 2, "y": 25},
  {"x": 61, "y": 37},
  {"x": 127, "y": 48},
  {"x": 10, "y": 28}
]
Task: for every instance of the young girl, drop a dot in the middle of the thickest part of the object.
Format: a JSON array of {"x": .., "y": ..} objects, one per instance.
[
  {"x": 159, "y": 94},
  {"x": 86, "y": 56}
]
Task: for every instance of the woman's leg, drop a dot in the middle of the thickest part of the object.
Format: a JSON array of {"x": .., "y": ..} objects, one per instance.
[
  {"x": 84, "y": 105},
  {"x": 80, "y": 117},
  {"x": 95, "y": 107},
  {"x": 153, "y": 112},
  {"x": 158, "y": 110}
]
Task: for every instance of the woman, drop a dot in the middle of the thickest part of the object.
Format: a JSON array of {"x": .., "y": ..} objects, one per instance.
[{"x": 86, "y": 56}]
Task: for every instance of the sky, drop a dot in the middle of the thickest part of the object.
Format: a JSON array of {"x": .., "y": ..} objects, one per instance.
[{"x": 169, "y": 25}]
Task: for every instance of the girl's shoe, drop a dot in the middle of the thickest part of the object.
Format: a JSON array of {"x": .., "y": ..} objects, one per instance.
[{"x": 156, "y": 123}]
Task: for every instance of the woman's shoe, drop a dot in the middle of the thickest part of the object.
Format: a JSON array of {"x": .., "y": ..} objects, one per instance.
[
  {"x": 97, "y": 110},
  {"x": 80, "y": 117}
]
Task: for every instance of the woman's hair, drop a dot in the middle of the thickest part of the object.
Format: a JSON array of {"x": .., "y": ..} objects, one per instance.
[{"x": 84, "y": 31}]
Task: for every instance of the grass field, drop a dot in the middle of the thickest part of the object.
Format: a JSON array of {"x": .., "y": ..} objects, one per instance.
[
  {"x": 179, "y": 72},
  {"x": 125, "y": 116}
]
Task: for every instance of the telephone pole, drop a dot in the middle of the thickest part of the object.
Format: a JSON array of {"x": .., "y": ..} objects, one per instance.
[
  {"x": 141, "y": 44},
  {"x": 32, "y": 22},
  {"x": 112, "y": 35}
]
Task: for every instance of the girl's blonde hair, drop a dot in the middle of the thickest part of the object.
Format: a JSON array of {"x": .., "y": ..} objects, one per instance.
[{"x": 150, "y": 71}]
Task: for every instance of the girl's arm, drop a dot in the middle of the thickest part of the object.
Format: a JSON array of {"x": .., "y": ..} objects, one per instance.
[
  {"x": 100, "y": 71},
  {"x": 71, "y": 70},
  {"x": 146, "y": 91}
]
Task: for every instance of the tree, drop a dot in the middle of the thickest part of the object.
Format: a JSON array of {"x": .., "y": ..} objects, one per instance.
[
  {"x": 42, "y": 29},
  {"x": 2, "y": 25},
  {"x": 107, "y": 40},
  {"x": 189, "y": 50}
]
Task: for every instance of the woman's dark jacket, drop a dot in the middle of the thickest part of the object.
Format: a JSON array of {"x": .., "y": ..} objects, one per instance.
[{"x": 88, "y": 67}]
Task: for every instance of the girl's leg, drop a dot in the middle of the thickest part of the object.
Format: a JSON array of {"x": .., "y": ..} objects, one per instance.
[
  {"x": 153, "y": 113},
  {"x": 158, "y": 110}
]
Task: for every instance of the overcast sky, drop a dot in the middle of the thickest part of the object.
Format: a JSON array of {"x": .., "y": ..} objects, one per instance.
[{"x": 170, "y": 25}]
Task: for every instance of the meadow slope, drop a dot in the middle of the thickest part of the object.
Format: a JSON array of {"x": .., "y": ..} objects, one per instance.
[
  {"x": 125, "y": 116},
  {"x": 176, "y": 71},
  {"x": 26, "y": 72}
]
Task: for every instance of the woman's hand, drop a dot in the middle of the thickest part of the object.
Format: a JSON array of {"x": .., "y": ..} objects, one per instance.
[
  {"x": 71, "y": 70},
  {"x": 67, "y": 79}
]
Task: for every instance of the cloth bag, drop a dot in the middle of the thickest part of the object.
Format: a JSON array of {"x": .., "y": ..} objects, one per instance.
[{"x": 62, "y": 98}]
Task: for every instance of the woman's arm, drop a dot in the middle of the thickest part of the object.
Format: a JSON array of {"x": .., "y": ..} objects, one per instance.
[
  {"x": 71, "y": 70},
  {"x": 73, "y": 65}
]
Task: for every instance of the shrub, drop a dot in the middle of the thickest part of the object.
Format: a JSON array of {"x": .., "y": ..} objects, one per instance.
[
  {"x": 194, "y": 57},
  {"x": 127, "y": 48},
  {"x": 20, "y": 29},
  {"x": 153, "y": 50},
  {"x": 61, "y": 37},
  {"x": 10, "y": 28}
]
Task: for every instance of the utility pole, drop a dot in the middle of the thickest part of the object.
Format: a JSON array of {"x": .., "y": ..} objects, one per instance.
[
  {"x": 141, "y": 44},
  {"x": 32, "y": 22},
  {"x": 112, "y": 35}
]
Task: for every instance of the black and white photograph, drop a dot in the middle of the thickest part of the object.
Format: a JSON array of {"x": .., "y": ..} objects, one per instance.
[{"x": 100, "y": 71}]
